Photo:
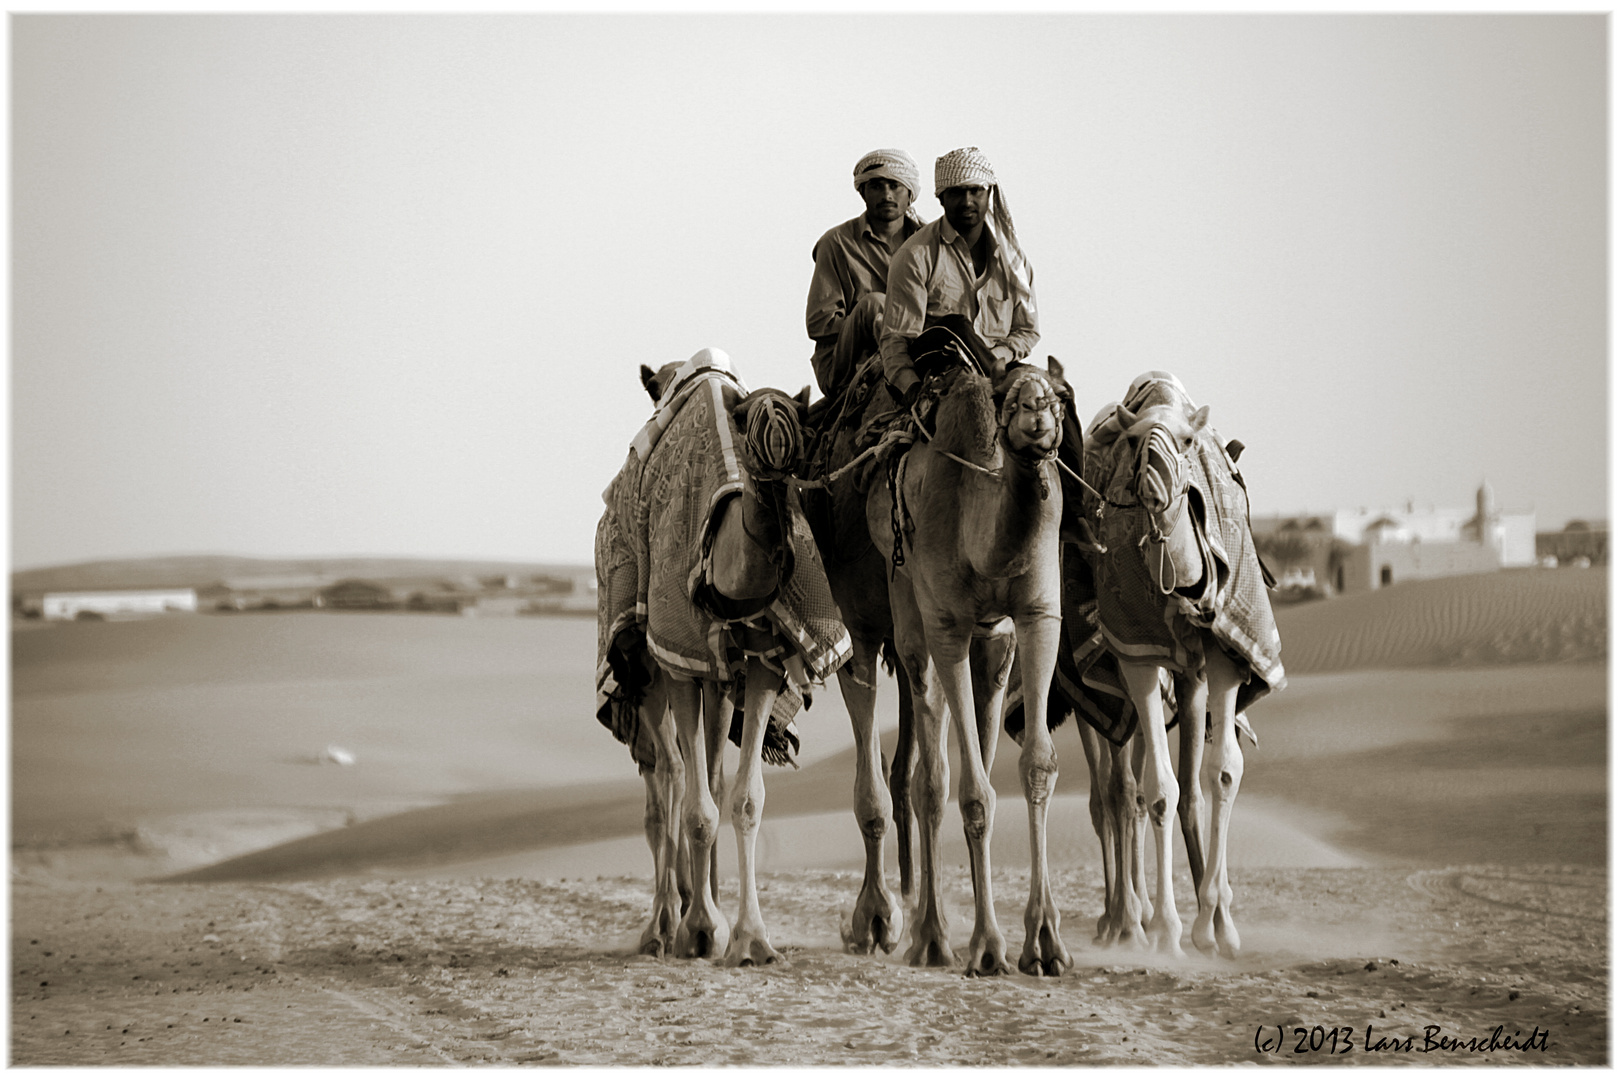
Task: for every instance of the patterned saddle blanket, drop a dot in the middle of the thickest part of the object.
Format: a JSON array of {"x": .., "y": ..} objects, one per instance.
[{"x": 653, "y": 560}]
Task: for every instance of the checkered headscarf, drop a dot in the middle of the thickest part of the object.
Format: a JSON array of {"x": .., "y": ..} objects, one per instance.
[
  {"x": 893, "y": 165},
  {"x": 968, "y": 167}
]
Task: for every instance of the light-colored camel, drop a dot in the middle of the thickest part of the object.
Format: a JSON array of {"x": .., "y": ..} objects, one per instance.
[
  {"x": 1157, "y": 439},
  {"x": 748, "y": 570},
  {"x": 857, "y": 573},
  {"x": 978, "y": 513}
]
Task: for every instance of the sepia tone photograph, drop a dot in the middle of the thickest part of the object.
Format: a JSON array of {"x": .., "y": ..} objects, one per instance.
[{"x": 761, "y": 540}]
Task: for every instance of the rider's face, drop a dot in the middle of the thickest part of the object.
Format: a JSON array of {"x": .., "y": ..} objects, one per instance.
[
  {"x": 886, "y": 200},
  {"x": 965, "y": 206}
]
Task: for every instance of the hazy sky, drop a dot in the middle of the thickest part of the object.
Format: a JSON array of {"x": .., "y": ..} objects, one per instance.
[{"x": 380, "y": 284}]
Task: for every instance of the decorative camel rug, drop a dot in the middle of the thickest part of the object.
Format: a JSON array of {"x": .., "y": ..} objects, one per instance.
[{"x": 652, "y": 548}]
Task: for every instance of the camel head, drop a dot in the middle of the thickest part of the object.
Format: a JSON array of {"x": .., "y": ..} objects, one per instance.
[
  {"x": 1032, "y": 408},
  {"x": 772, "y": 426},
  {"x": 656, "y": 382},
  {"x": 1159, "y": 437}
]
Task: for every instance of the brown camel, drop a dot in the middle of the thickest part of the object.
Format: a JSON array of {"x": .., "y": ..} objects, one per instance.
[
  {"x": 735, "y": 599},
  {"x": 977, "y": 510},
  {"x": 1179, "y": 591}
]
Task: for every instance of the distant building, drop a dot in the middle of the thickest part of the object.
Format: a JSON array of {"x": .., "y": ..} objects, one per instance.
[
  {"x": 1577, "y": 540},
  {"x": 1358, "y": 550},
  {"x": 76, "y": 605}
]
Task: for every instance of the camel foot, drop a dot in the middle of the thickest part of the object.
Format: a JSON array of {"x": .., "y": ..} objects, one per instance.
[
  {"x": 1164, "y": 936},
  {"x": 700, "y": 936},
  {"x": 750, "y": 948},
  {"x": 655, "y": 941},
  {"x": 1044, "y": 951},
  {"x": 930, "y": 945},
  {"x": 877, "y": 922},
  {"x": 987, "y": 955}
]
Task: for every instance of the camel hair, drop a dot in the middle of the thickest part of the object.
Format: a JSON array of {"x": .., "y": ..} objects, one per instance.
[{"x": 978, "y": 508}]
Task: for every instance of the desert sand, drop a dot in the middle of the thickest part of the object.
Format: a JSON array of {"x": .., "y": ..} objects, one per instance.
[{"x": 1420, "y": 859}]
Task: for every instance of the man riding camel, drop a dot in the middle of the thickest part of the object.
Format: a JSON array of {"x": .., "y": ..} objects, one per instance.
[
  {"x": 962, "y": 273},
  {"x": 844, "y": 314}
]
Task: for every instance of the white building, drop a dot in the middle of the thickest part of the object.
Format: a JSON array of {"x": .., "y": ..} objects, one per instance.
[
  {"x": 122, "y": 602},
  {"x": 1512, "y": 536}
]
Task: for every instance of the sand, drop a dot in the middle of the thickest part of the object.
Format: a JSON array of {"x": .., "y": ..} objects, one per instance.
[{"x": 1420, "y": 849}]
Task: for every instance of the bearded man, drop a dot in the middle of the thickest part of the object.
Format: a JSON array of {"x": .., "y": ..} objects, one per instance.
[{"x": 963, "y": 273}]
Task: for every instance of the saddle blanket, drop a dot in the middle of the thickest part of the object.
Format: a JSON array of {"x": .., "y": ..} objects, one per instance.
[{"x": 652, "y": 551}]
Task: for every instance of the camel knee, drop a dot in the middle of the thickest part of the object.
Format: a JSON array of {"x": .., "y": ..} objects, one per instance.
[
  {"x": 874, "y": 828},
  {"x": 975, "y": 818},
  {"x": 1156, "y": 810},
  {"x": 1040, "y": 778},
  {"x": 703, "y": 828},
  {"x": 745, "y": 812}
]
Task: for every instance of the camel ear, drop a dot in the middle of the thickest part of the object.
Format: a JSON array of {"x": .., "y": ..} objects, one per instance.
[
  {"x": 803, "y": 400},
  {"x": 1125, "y": 418},
  {"x": 1199, "y": 419},
  {"x": 649, "y": 380},
  {"x": 1054, "y": 368}
]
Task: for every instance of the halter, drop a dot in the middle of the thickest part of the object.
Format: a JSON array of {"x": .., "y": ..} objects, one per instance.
[
  {"x": 773, "y": 438},
  {"x": 1160, "y": 485},
  {"x": 773, "y": 444}
]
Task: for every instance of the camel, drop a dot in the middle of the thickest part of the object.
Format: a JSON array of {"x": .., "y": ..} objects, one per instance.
[
  {"x": 738, "y": 599},
  {"x": 977, "y": 510},
  {"x": 1177, "y": 554},
  {"x": 857, "y": 573}
]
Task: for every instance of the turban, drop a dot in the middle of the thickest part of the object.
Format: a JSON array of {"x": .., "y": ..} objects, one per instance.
[
  {"x": 893, "y": 165},
  {"x": 968, "y": 167},
  {"x": 963, "y": 168}
]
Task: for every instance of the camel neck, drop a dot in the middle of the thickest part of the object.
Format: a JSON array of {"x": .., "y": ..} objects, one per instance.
[{"x": 1005, "y": 518}]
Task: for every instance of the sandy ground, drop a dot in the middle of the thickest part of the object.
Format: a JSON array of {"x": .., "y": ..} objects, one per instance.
[{"x": 1420, "y": 854}]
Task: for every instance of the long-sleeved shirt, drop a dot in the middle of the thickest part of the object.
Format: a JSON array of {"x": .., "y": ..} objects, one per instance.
[
  {"x": 851, "y": 261},
  {"x": 932, "y": 274}
]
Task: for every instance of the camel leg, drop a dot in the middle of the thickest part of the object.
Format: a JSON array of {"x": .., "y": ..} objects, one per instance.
[
  {"x": 1223, "y": 772},
  {"x": 749, "y": 943},
  {"x": 948, "y": 646},
  {"x": 900, "y": 782},
  {"x": 664, "y": 795},
  {"x": 877, "y": 920},
  {"x": 1044, "y": 952},
  {"x": 702, "y": 932},
  {"x": 1159, "y": 784},
  {"x": 717, "y": 709},
  {"x": 1193, "y": 808},
  {"x": 1104, "y": 823},
  {"x": 1133, "y": 759},
  {"x": 930, "y": 935},
  {"x": 1131, "y": 905}
]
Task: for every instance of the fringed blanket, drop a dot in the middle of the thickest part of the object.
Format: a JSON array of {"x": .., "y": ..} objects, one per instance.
[
  {"x": 1111, "y": 604},
  {"x": 652, "y": 557}
]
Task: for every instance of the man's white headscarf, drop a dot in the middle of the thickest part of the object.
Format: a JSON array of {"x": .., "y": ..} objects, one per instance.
[
  {"x": 968, "y": 167},
  {"x": 893, "y": 165}
]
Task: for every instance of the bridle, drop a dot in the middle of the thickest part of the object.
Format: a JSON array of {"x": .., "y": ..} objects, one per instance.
[
  {"x": 1160, "y": 483},
  {"x": 773, "y": 447}
]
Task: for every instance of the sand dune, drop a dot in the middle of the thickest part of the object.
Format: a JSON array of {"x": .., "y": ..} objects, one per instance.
[{"x": 1509, "y": 617}]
